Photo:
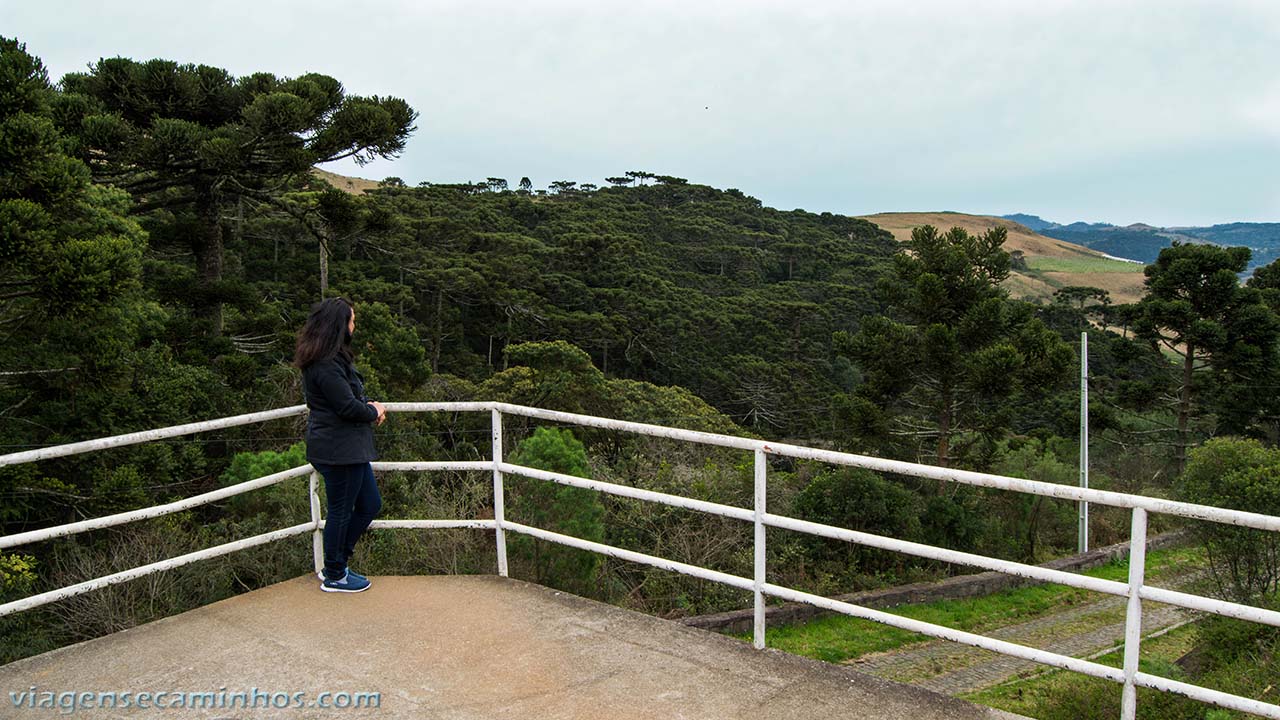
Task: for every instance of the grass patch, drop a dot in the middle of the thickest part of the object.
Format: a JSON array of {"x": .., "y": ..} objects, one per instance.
[
  {"x": 1082, "y": 264},
  {"x": 839, "y": 638}
]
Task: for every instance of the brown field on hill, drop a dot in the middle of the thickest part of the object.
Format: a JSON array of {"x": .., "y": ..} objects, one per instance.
[
  {"x": 353, "y": 185},
  {"x": 1052, "y": 263},
  {"x": 1027, "y": 286},
  {"x": 1124, "y": 287}
]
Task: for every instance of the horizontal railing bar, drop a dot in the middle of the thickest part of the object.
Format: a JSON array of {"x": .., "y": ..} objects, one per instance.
[
  {"x": 151, "y": 512},
  {"x": 697, "y": 436},
  {"x": 438, "y": 406},
  {"x": 1239, "y": 518},
  {"x": 631, "y": 555},
  {"x": 1110, "y": 587},
  {"x": 629, "y": 492},
  {"x": 431, "y": 524},
  {"x": 1064, "y": 492},
  {"x": 1210, "y": 605},
  {"x": 1005, "y": 648},
  {"x": 88, "y": 585},
  {"x": 1204, "y": 694},
  {"x": 147, "y": 435},
  {"x": 1034, "y": 572},
  {"x": 429, "y": 466},
  {"x": 1000, "y": 482}
]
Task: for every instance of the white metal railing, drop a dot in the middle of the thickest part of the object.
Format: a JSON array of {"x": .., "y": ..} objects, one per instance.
[{"x": 1135, "y": 589}]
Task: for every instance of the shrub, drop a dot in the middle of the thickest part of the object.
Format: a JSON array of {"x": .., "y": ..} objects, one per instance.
[
  {"x": 1034, "y": 526},
  {"x": 555, "y": 507},
  {"x": 1243, "y": 475},
  {"x": 285, "y": 501},
  {"x": 858, "y": 500}
]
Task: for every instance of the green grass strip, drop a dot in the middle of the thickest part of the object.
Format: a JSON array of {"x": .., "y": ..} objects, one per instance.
[
  {"x": 1082, "y": 265},
  {"x": 839, "y": 638}
]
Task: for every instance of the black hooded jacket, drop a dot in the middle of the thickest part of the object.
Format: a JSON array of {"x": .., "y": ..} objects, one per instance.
[{"x": 340, "y": 424}]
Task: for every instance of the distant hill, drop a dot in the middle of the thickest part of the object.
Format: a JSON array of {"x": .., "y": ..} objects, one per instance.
[
  {"x": 1143, "y": 246},
  {"x": 1143, "y": 242},
  {"x": 1262, "y": 238},
  {"x": 1082, "y": 227},
  {"x": 1051, "y": 263},
  {"x": 1034, "y": 223}
]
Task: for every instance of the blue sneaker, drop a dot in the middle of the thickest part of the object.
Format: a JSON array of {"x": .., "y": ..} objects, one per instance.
[{"x": 349, "y": 583}]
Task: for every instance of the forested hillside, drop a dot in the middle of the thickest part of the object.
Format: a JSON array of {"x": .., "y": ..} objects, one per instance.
[{"x": 671, "y": 283}]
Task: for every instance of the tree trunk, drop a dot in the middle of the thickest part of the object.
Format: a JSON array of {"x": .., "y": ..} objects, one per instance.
[
  {"x": 1184, "y": 406},
  {"x": 239, "y": 222},
  {"x": 1033, "y": 524},
  {"x": 439, "y": 338},
  {"x": 207, "y": 247},
  {"x": 944, "y": 430},
  {"x": 324, "y": 263}
]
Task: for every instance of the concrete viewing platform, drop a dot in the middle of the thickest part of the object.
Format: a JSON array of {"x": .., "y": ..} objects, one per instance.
[{"x": 452, "y": 647}]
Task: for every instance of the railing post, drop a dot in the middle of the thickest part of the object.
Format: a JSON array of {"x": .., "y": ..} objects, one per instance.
[
  {"x": 500, "y": 536},
  {"x": 317, "y": 536},
  {"x": 1133, "y": 615},
  {"x": 757, "y": 633}
]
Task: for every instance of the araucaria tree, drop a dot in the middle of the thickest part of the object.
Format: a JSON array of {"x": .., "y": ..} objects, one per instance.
[
  {"x": 193, "y": 138},
  {"x": 952, "y": 351},
  {"x": 65, "y": 245},
  {"x": 1222, "y": 335}
]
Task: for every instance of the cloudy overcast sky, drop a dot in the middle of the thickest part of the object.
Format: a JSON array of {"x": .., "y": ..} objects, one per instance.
[{"x": 1163, "y": 112}]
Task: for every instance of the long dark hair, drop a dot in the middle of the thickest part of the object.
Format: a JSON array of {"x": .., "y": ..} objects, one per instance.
[{"x": 325, "y": 333}]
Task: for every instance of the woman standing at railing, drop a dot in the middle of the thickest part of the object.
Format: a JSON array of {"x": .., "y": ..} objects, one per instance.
[{"x": 339, "y": 436}]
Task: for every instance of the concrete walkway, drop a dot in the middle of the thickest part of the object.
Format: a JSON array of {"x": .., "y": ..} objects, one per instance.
[
  {"x": 464, "y": 647},
  {"x": 1078, "y": 631},
  {"x": 1082, "y": 631}
]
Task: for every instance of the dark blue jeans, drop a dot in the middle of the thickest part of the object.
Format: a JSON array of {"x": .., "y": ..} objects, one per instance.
[{"x": 354, "y": 501}]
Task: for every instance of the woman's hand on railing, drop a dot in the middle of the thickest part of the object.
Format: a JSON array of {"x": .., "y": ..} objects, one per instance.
[{"x": 382, "y": 412}]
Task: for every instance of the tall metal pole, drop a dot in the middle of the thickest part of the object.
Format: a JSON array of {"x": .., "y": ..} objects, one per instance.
[{"x": 1082, "y": 534}]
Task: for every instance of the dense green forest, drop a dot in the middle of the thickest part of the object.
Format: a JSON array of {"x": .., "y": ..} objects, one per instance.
[{"x": 163, "y": 237}]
